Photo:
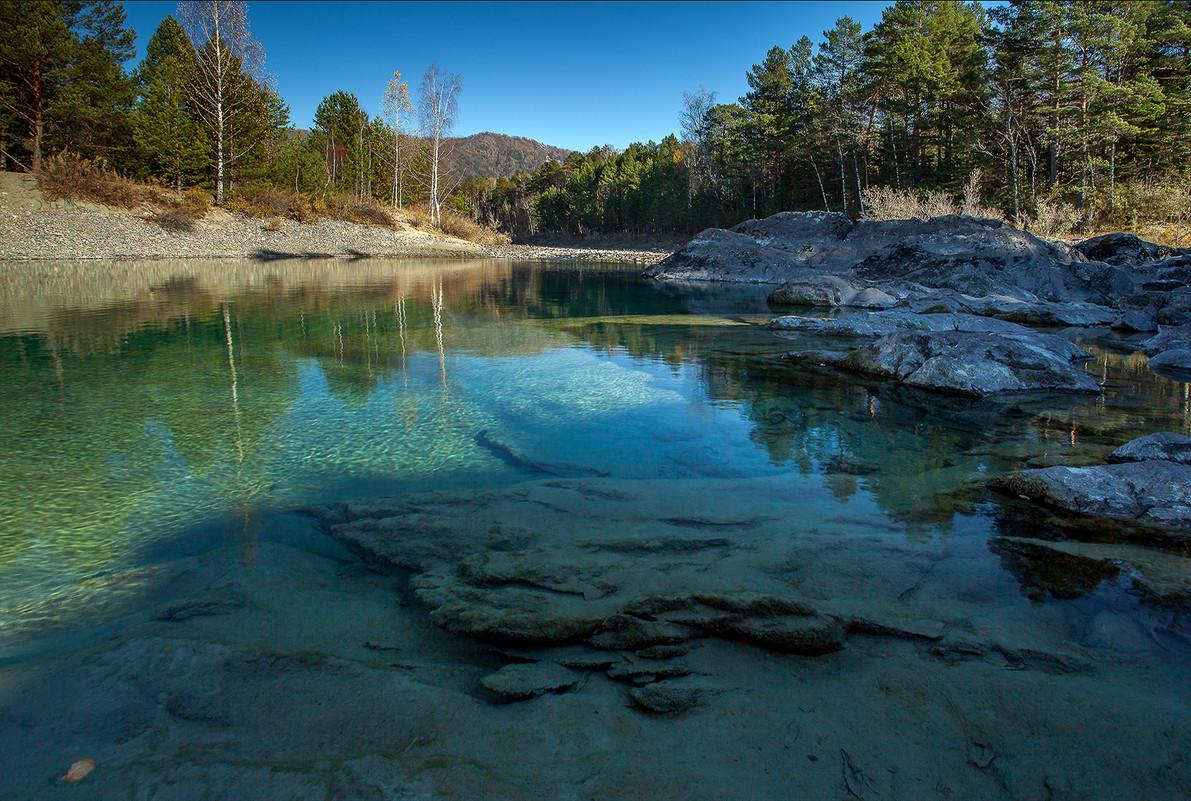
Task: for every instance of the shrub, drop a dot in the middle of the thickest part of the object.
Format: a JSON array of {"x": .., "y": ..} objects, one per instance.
[
  {"x": 180, "y": 219},
  {"x": 198, "y": 201},
  {"x": 70, "y": 176},
  {"x": 363, "y": 212},
  {"x": 464, "y": 228},
  {"x": 1052, "y": 218},
  {"x": 887, "y": 203}
]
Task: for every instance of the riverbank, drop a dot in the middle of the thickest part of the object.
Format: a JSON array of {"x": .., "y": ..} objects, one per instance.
[{"x": 32, "y": 228}]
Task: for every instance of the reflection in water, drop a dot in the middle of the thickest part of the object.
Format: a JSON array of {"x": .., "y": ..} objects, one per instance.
[{"x": 139, "y": 398}]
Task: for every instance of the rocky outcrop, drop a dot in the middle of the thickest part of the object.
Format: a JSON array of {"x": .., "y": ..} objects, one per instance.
[
  {"x": 954, "y": 264},
  {"x": 965, "y": 363},
  {"x": 974, "y": 256},
  {"x": 1143, "y": 486}
]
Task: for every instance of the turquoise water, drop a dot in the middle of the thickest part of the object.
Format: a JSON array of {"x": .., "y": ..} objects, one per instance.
[{"x": 149, "y": 410}]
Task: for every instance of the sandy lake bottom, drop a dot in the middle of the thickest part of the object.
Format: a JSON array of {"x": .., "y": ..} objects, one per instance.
[{"x": 308, "y": 530}]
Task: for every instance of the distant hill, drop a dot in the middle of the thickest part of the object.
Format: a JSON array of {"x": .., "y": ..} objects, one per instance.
[{"x": 492, "y": 155}]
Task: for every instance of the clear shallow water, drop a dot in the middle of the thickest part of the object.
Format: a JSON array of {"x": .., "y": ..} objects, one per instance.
[{"x": 150, "y": 410}]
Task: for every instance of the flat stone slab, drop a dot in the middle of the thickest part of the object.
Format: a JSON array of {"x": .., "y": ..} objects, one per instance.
[
  {"x": 965, "y": 363},
  {"x": 1156, "y": 492},
  {"x": 1163, "y": 445}
]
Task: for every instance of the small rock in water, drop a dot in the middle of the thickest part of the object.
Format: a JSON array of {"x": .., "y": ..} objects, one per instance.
[
  {"x": 1173, "y": 364},
  {"x": 638, "y": 674}
]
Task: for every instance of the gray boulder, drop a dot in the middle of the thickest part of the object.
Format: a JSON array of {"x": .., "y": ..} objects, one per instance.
[
  {"x": 1173, "y": 338},
  {"x": 719, "y": 255},
  {"x": 1174, "y": 364},
  {"x": 1137, "y": 320},
  {"x": 1123, "y": 250},
  {"x": 805, "y": 235},
  {"x": 1163, "y": 445},
  {"x": 965, "y": 363},
  {"x": 1155, "y": 492}
]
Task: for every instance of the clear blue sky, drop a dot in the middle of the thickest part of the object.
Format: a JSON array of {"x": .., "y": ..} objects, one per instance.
[{"x": 573, "y": 75}]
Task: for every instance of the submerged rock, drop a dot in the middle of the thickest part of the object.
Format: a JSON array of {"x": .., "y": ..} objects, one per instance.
[
  {"x": 668, "y": 698},
  {"x": 522, "y": 682},
  {"x": 806, "y": 635},
  {"x": 965, "y": 363}
]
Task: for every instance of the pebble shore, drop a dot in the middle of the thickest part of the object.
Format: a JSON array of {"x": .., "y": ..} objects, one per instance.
[{"x": 80, "y": 232}]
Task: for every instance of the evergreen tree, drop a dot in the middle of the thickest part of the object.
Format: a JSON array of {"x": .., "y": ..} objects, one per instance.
[
  {"x": 173, "y": 141},
  {"x": 62, "y": 77}
]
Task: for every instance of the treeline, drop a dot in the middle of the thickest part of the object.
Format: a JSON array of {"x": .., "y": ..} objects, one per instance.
[
  {"x": 1033, "y": 105},
  {"x": 200, "y": 110},
  {"x": 1036, "y": 104}
]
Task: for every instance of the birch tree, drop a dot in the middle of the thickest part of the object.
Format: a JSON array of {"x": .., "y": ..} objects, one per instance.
[
  {"x": 438, "y": 109},
  {"x": 227, "y": 63},
  {"x": 396, "y": 107},
  {"x": 696, "y": 129}
]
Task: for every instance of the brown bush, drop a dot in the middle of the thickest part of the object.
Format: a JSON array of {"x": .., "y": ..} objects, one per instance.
[
  {"x": 464, "y": 228},
  {"x": 887, "y": 203},
  {"x": 180, "y": 219},
  {"x": 417, "y": 216},
  {"x": 197, "y": 201},
  {"x": 363, "y": 212},
  {"x": 70, "y": 176}
]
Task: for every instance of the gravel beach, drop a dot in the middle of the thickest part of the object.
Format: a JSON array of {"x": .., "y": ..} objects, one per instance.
[{"x": 32, "y": 228}]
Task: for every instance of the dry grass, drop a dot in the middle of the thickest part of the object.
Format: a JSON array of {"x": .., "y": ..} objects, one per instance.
[
  {"x": 464, "y": 228},
  {"x": 181, "y": 219},
  {"x": 453, "y": 224},
  {"x": 70, "y": 176},
  {"x": 887, "y": 203}
]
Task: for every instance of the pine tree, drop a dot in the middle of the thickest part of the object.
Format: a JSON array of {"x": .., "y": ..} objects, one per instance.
[{"x": 174, "y": 142}]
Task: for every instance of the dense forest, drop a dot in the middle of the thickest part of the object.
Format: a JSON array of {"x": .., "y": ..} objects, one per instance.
[
  {"x": 1052, "y": 114},
  {"x": 1032, "y": 110}
]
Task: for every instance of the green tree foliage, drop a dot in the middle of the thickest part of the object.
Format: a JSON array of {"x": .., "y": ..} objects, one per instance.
[
  {"x": 170, "y": 139},
  {"x": 62, "y": 81}
]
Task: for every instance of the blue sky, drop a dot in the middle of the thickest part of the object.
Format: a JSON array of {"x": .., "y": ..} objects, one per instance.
[{"x": 573, "y": 75}]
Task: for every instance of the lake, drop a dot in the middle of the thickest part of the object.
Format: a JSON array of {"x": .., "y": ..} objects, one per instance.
[{"x": 178, "y": 439}]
